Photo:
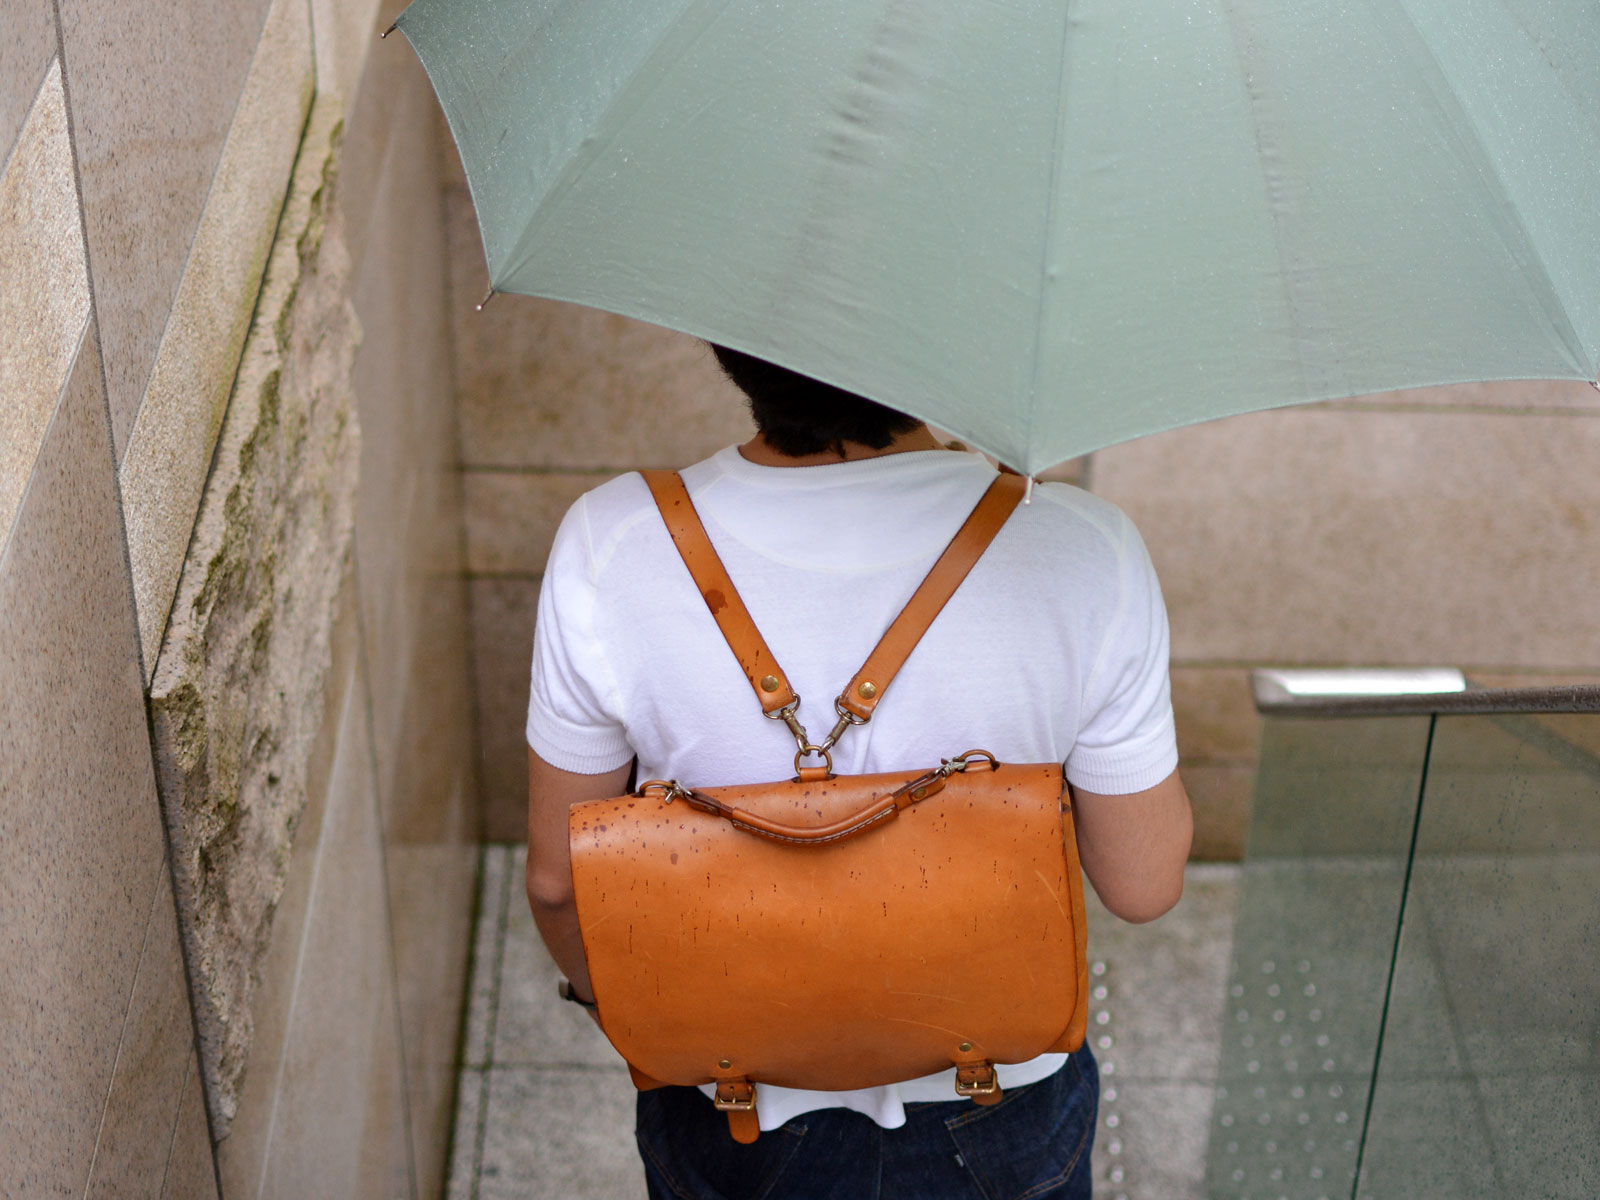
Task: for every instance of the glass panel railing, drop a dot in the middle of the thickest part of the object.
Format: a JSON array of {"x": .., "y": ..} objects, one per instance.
[
  {"x": 1319, "y": 905},
  {"x": 1488, "y": 1084}
]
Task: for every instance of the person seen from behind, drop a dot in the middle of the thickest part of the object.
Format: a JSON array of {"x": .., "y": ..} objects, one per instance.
[{"x": 1054, "y": 648}]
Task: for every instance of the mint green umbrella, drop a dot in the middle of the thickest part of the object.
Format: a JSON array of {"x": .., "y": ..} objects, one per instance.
[{"x": 1050, "y": 225}]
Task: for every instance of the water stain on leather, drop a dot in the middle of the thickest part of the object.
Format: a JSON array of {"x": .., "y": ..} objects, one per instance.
[{"x": 715, "y": 600}]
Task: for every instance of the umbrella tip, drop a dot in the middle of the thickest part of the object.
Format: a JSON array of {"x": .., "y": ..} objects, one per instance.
[
  {"x": 1027, "y": 492},
  {"x": 389, "y": 30},
  {"x": 487, "y": 297}
]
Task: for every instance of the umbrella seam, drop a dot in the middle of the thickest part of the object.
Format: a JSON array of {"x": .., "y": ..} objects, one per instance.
[
  {"x": 629, "y": 99},
  {"x": 1056, "y": 137},
  {"x": 1479, "y": 157}
]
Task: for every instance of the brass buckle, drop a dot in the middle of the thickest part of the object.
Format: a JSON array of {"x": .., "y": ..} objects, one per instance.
[
  {"x": 735, "y": 1095},
  {"x": 977, "y": 1080}
]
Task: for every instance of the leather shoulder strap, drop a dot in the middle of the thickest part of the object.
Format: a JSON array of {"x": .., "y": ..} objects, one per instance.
[
  {"x": 866, "y": 690},
  {"x": 716, "y": 589}
]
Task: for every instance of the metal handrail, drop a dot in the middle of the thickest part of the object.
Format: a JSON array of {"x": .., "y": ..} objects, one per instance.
[{"x": 1273, "y": 698}]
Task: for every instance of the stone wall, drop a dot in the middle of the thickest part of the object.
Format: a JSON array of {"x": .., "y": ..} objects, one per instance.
[
  {"x": 1443, "y": 527},
  {"x": 238, "y": 790}
]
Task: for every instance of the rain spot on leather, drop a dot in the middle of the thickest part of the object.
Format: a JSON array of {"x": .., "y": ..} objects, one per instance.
[{"x": 715, "y": 600}]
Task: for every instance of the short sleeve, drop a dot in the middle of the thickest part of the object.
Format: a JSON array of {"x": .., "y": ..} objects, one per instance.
[
  {"x": 574, "y": 718},
  {"x": 1127, "y": 741}
]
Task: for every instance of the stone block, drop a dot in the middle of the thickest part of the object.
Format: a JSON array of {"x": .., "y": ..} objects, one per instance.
[
  {"x": 80, "y": 827},
  {"x": 345, "y": 32},
  {"x": 242, "y": 1118},
  {"x": 547, "y": 384},
  {"x": 581, "y": 1144},
  {"x": 191, "y": 1169},
  {"x": 154, "y": 1059},
  {"x": 1220, "y": 796},
  {"x": 165, "y": 441},
  {"x": 154, "y": 93},
  {"x": 512, "y": 516},
  {"x": 44, "y": 286},
  {"x": 26, "y": 53},
  {"x": 236, "y": 693},
  {"x": 1216, "y": 715},
  {"x": 502, "y": 656},
  {"x": 497, "y": 881},
  {"x": 1328, "y": 537},
  {"x": 1152, "y": 1139}
]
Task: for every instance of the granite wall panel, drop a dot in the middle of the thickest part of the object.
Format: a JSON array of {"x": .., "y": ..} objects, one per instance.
[
  {"x": 408, "y": 557},
  {"x": 81, "y": 849},
  {"x": 1328, "y": 537},
  {"x": 502, "y": 657},
  {"x": 166, "y": 430},
  {"x": 150, "y": 128},
  {"x": 25, "y": 54},
  {"x": 44, "y": 286},
  {"x": 512, "y": 516}
]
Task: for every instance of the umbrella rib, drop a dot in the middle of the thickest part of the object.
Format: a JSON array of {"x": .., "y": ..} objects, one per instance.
[
  {"x": 691, "y": 24},
  {"x": 1478, "y": 155},
  {"x": 1057, "y": 135}
]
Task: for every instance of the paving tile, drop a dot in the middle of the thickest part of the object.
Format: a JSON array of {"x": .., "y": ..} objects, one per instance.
[
  {"x": 1163, "y": 987},
  {"x": 154, "y": 1058},
  {"x": 511, "y": 516},
  {"x": 502, "y": 656},
  {"x": 466, "y": 1138},
  {"x": 44, "y": 286},
  {"x": 150, "y": 128},
  {"x": 546, "y": 384},
  {"x": 1151, "y": 1141},
  {"x": 191, "y": 1169},
  {"x": 165, "y": 430},
  {"x": 25, "y": 53},
  {"x": 580, "y": 1143},
  {"x": 76, "y": 902},
  {"x": 533, "y": 1025},
  {"x": 495, "y": 885},
  {"x": 1329, "y": 537}
]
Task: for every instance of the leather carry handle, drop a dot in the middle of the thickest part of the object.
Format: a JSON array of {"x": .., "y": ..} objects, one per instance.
[
  {"x": 866, "y": 690},
  {"x": 882, "y": 809}
]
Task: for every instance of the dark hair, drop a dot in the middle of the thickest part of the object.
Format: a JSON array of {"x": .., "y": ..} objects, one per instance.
[{"x": 799, "y": 415}]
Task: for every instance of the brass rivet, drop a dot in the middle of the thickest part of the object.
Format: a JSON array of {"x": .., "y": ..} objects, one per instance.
[
  {"x": 769, "y": 683},
  {"x": 725, "y": 1063},
  {"x": 966, "y": 1046},
  {"x": 868, "y": 690},
  {"x": 918, "y": 793}
]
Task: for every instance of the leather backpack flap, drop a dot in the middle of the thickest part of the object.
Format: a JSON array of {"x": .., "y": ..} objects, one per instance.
[
  {"x": 952, "y": 933},
  {"x": 732, "y": 943}
]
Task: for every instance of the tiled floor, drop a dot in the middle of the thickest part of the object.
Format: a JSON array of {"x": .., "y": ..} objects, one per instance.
[{"x": 546, "y": 1106}]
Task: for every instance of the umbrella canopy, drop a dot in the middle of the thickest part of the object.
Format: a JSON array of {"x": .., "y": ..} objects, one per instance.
[{"x": 1050, "y": 225}]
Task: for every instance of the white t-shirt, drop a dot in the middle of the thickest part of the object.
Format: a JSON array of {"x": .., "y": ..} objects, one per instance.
[{"x": 1058, "y": 638}]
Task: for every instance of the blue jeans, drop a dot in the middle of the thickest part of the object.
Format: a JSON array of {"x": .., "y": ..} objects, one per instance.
[{"x": 1033, "y": 1145}]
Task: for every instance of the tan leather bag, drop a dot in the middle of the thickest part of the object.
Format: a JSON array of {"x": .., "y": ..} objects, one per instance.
[{"x": 834, "y": 932}]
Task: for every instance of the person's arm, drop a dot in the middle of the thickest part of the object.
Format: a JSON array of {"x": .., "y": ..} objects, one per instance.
[
  {"x": 551, "y": 792},
  {"x": 1133, "y": 847}
]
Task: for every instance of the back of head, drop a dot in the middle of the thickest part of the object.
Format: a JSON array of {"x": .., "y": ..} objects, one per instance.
[{"x": 798, "y": 415}]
